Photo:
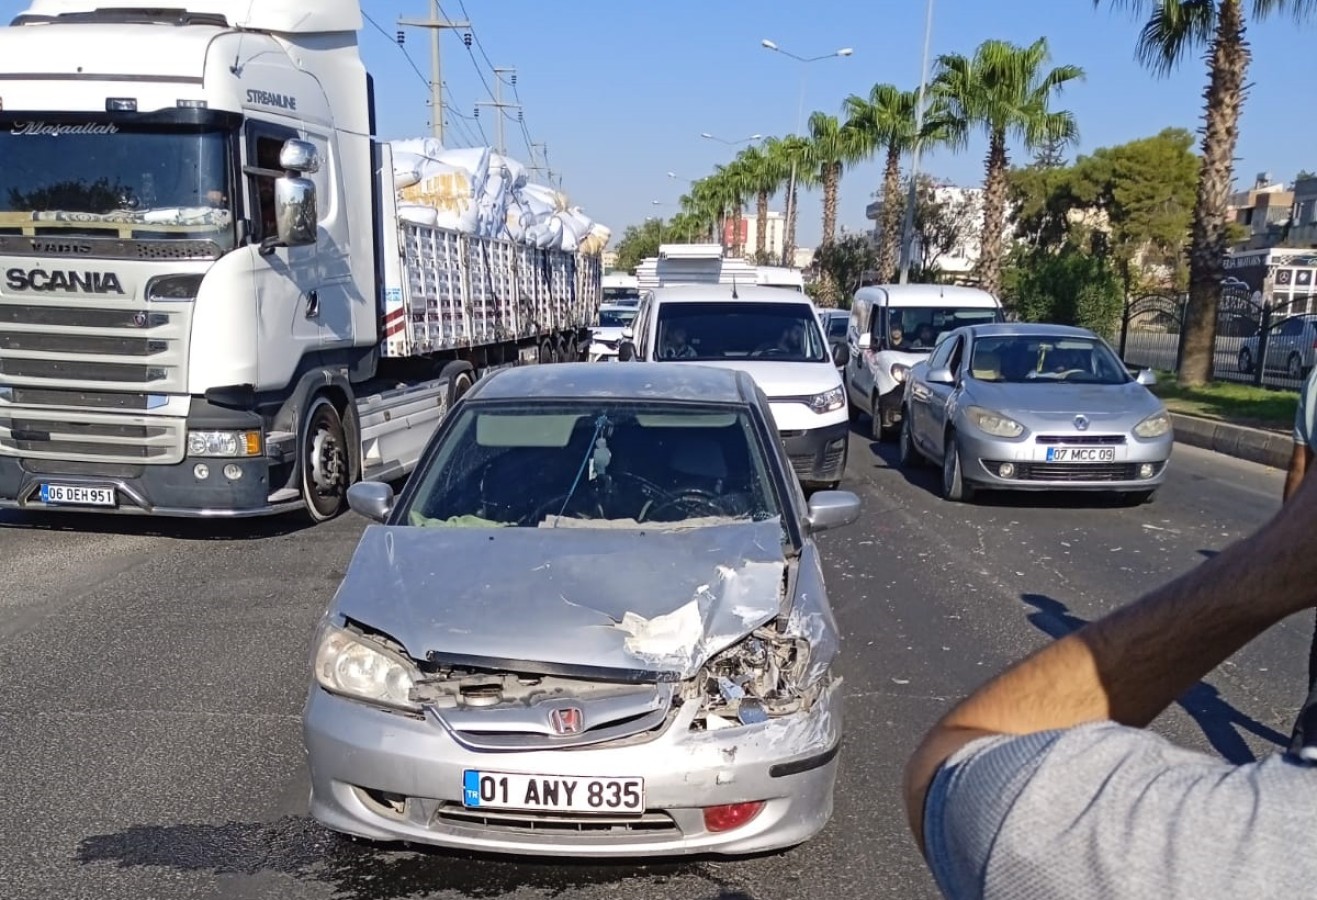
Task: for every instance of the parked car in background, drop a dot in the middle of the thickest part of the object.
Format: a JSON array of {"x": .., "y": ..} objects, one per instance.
[
  {"x": 1291, "y": 348},
  {"x": 895, "y": 326},
  {"x": 594, "y": 624},
  {"x": 775, "y": 336},
  {"x": 607, "y": 334},
  {"x": 1034, "y": 407}
]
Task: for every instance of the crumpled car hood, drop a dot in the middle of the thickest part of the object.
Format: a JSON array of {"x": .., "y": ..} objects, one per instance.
[{"x": 636, "y": 600}]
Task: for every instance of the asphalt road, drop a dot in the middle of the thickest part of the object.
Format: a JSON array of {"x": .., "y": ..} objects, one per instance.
[{"x": 152, "y": 676}]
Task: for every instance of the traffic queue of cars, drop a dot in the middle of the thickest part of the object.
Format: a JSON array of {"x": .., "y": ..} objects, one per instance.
[{"x": 636, "y": 656}]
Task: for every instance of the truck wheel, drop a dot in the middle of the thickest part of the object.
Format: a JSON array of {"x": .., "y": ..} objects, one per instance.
[{"x": 324, "y": 461}]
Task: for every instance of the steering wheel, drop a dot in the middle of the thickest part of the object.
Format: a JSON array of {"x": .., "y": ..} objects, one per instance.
[
  {"x": 773, "y": 350},
  {"x": 691, "y": 500},
  {"x": 554, "y": 506}
]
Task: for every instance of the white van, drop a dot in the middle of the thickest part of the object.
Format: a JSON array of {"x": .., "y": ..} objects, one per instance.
[
  {"x": 773, "y": 334},
  {"x": 778, "y": 276},
  {"x": 920, "y": 313}
]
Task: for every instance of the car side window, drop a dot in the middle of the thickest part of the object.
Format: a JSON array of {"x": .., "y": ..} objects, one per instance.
[
  {"x": 940, "y": 356},
  {"x": 1292, "y": 327},
  {"x": 641, "y": 330},
  {"x": 958, "y": 345}
]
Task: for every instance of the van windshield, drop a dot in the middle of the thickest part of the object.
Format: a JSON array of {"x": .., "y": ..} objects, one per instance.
[
  {"x": 917, "y": 328},
  {"x": 739, "y": 329}
]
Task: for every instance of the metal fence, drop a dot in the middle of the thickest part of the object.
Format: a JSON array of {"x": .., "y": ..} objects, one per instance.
[{"x": 1256, "y": 343}]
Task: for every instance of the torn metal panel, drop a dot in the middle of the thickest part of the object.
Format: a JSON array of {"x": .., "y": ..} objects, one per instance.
[
  {"x": 649, "y": 600},
  {"x": 811, "y": 618}
]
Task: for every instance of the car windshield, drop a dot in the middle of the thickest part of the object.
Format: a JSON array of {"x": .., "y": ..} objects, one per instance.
[
  {"x": 837, "y": 326},
  {"x": 116, "y": 181},
  {"x": 595, "y": 464},
  {"x": 919, "y": 327},
  {"x": 621, "y": 295},
  {"x": 1046, "y": 359},
  {"x": 739, "y": 329},
  {"x": 616, "y": 318}
]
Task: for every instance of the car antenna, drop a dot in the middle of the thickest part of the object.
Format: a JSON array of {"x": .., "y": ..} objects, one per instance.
[{"x": 734, "y": 294}]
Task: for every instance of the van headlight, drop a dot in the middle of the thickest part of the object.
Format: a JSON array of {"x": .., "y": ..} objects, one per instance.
[
  {"x": 993, "y": 423},
  {"x": 355, "y": 666},
  {"x": 899, "y": 371},
  {"x": 828, "y": 400},
  {"x": 1156, "y": 425}
]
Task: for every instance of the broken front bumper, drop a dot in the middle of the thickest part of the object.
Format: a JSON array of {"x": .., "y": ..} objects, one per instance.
[{"x": 358, "y": 753}]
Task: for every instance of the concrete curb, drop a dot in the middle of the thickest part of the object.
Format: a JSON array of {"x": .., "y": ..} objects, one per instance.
[{"x": 1253, "y": 444}]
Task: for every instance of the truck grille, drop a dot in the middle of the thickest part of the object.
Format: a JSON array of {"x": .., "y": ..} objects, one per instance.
[
  {"x": 91, "y": 437},
  {"x": 104, "y": 348}
]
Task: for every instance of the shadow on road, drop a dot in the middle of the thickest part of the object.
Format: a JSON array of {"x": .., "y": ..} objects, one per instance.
[
  {"x": 147, "y": 526},
  {"x": 1220, "y": 721},
  {"x": 928, "y": 477},
  {"x": 297, "y": 847}
]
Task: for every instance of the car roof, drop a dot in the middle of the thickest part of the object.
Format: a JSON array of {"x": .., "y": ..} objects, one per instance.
[
  {"x": 619, "y": 381},
  {"x": 927, "y": 295},
  {"x": 1027, "y": 329},
  {"x": 719, "y": 293}
]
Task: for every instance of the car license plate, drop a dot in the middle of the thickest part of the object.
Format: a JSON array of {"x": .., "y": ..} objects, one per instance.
[
  {"x": 78, "y": 495},
  {"x": 1081, "y": 454},
  {"x": 553, "y": 793}
]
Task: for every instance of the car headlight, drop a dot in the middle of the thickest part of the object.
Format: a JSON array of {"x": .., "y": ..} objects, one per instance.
[
  {"x": 347, "y": 663},
  {"x": 1156, "y": 425},
  {"x": 760, "y": 677},
  {"x": 899, "y": 371},
  {"x": 224, "y": 443},
  {"x": 993, "y": 423},
  {"x": 828, "y": 400}
]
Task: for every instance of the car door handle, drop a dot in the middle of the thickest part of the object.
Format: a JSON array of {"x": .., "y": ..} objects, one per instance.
[{"x": 312, "y": 304}]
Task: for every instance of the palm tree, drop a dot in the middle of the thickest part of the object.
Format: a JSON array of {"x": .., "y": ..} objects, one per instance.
[
  {"x": 1174, "y": 29},
  {"x": 786, "y": 152},
  {"x": 736, "y": 188},
  {"x": 888, "y": 119},
  {"x": 832, "y": 146},
  {"x": 764, "y": 175},
  {"x": 1005, "y": 90}
]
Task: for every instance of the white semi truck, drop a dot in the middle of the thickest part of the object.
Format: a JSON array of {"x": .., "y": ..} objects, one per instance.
[{"x": 208, "y": 303}]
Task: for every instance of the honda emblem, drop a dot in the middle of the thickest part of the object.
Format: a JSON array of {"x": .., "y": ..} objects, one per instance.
[{"x": 567, "y": 720}]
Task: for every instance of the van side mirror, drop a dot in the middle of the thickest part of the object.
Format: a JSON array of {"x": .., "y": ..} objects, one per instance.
[
  {"x": 865, "y": 341},
  {"x": 626, "y": 351},
  {"x": 840, "y": 355}
]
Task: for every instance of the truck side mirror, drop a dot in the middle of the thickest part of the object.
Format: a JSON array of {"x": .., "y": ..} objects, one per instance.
[{"x": 296, "y": 212}]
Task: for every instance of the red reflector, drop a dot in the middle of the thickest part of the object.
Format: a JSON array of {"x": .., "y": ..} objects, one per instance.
[{"x": 733, "y": 815}]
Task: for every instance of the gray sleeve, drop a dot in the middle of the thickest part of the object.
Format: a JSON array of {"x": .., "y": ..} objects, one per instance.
[
  {"x": 1303, "y": 414},
  {"x": 1104, "y": 811}
]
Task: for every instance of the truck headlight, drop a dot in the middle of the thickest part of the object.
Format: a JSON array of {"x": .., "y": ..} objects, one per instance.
[
  {"x": 828, "y": 400},
  {"x": 355, "y": 666},
  {"x": 173, "y": 287},
  {"x": 1156, "y": 425},
  {"x": 993, "y": 423},
  {"x": 226, "y": 444}
]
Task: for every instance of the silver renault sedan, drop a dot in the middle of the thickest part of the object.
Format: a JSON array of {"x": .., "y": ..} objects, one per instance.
[
  {"x": 1034, "y": 407},
  {"x": 593, "y": 624}
]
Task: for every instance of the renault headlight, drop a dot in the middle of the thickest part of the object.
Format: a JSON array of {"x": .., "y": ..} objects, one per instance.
[
  {"x": 899, "y": 371},
  {"x": 993, "y": 423},
  {"x": 350, "y": 664},
  {"x": 1156, "y": 425},
  {"x": 828, "y": 400}
]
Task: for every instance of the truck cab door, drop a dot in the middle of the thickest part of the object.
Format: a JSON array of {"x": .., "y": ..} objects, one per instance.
[
  {"x": 287, "y": 281},
  {"x": 337, "y": 289}
]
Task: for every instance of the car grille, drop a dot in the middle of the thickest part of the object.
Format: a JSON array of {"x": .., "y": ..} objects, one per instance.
[
  {"x": 1096, "y": 440},
  {"x": 602, "y": 826},
  {"x": 1076, "y": 471}
]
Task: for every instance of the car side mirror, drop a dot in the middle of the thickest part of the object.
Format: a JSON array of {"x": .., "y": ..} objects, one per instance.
[
  {"x": 865, "y": 341},
  {"x": 372, "y": 499},
  {"x": 1146, "y": 377},
  {"x": 941, "y": 375},
  {"x": 832, "y": 509}
]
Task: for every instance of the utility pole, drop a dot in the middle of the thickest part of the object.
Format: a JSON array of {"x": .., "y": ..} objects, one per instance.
[
  {"x": 436, "y": 26},
  {"x": 908, "y": 226},
  {"x": 499, "y": 104}
]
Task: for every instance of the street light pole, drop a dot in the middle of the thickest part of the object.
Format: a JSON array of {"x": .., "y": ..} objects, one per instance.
[
  {"x": 908, "y": 227},
  {"x": 800, "y": 117}
]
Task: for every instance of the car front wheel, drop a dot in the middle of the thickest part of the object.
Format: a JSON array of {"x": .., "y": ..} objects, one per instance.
[{"x": 954, "y": 485}]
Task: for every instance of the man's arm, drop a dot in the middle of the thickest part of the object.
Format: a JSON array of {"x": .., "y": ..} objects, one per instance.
[{"x": 1130, "y": 665}]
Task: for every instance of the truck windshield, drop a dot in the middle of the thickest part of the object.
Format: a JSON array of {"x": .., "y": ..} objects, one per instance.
[{"x": 116, "y": 181}]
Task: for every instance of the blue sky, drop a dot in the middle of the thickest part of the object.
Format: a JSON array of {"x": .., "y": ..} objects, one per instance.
[{"x": 620, "y": 91}]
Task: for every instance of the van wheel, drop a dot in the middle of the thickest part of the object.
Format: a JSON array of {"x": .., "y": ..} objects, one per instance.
[{"x": 325, "y": 461}]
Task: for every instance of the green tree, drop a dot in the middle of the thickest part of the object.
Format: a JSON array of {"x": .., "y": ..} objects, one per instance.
[
  {"x": 764, "y": 176},
  {"x": 833, "y": 145},
  {"x": 943, "y": 225},
  {"x": 845, "y": 263},
  {"x": 638, "y": 243},
  {"x": 1072, "y": 287},
  {"x": 1004, "y": 90},
  {"x": 887, "y": 118},
  {"x": 788, "y": 152},
  {"x": 1173, "y": 30}
]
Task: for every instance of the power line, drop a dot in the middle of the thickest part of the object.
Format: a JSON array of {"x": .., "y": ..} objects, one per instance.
[
  {"x": 468, "y": 136},
  {"x": 489, "y": 62}
]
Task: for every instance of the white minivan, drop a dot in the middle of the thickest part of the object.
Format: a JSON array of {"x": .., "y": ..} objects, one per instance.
[
  {"x": 773, "y": 334},
  {"x": 895, "y": 326}
]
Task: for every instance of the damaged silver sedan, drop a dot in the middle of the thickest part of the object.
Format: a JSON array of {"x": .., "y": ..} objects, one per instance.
[{"x": 593, "y": 624}]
